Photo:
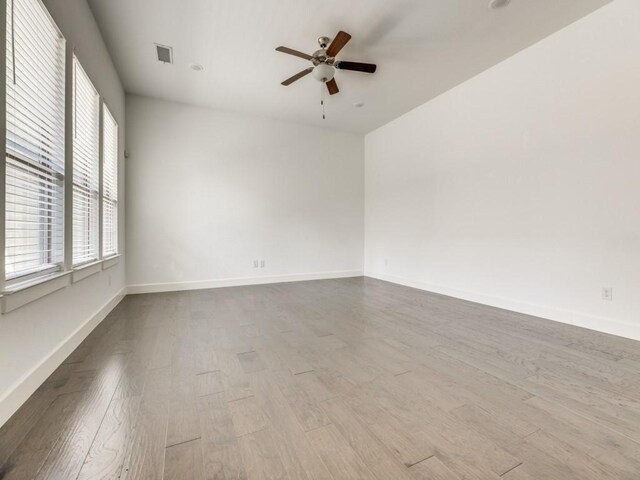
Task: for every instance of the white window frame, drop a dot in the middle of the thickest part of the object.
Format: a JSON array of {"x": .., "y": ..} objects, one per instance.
[
  {"x": 85, "y": 190},
  {"x": 36, "y": 131},
  {"x": 109, "y": 176}
]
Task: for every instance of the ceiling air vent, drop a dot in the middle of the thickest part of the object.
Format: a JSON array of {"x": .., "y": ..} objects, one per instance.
[{"x": 165, "y": 54}]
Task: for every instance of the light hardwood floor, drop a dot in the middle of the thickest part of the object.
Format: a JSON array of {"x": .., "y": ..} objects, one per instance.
[{"x": 335, "y": 379}]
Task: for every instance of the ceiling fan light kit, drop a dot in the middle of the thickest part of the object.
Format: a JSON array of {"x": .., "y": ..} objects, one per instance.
[
  {"x": 325, "y": 63},
  {"x": 323, "y": 72}
]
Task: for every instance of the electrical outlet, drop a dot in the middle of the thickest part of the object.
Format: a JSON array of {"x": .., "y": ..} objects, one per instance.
[
  {"x": 607, "y": 294},
  {"x": 255, "y": 264},
  {"x": 261, "y": 263},
  {"x": 386, "y": 263}
]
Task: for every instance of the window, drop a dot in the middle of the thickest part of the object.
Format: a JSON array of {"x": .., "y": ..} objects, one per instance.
[
  {"x": 35, "y": 148},
  {"x": 109, "y": 185},
  {"x": 55, "y": 220},
  {"x": 86, "y": 171}
]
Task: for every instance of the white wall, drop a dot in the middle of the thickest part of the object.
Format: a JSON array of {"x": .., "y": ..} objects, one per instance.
[
  {"x": 35, "y": 338},
  {"x": 209, "y": 192},
  {"x": 521, "y": 187}
]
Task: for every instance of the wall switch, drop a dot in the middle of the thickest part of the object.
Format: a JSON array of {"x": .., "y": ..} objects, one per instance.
[
  {"x": 261, "y": 263},
  {"x": 607, "y": 293},
  {"x": 255, "y": 264}
]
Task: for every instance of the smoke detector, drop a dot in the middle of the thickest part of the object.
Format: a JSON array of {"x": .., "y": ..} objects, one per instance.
[{"x": 498, "y": 4}]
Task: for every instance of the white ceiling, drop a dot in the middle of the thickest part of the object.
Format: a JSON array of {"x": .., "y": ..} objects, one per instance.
[{"x": 422, "y": 48}]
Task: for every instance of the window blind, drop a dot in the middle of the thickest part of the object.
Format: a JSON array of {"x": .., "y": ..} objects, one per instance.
[
  {"x": 109, "y": 185},
  {"x": 35, "y": 100},
  {"x": 86, "y": 167}
]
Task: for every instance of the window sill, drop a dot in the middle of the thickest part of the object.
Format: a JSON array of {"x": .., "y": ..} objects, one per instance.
[
  {"x": 111, "y": 261},
  {"x": 21, "y": 294},
  {"x": 83, "y": 271}
]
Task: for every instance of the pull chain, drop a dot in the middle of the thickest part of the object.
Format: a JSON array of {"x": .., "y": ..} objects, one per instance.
[{"x": 322, "y": 98}]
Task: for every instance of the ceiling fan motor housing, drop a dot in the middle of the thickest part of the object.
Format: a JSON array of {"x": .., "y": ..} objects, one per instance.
[{"x": 324, "y": 42}]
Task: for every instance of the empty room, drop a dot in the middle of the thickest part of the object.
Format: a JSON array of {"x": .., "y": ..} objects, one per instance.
[{"x": 299, "y": 240}]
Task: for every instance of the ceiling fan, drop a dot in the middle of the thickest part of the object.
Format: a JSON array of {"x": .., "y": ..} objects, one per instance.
[{"x": 325, "y": 63}]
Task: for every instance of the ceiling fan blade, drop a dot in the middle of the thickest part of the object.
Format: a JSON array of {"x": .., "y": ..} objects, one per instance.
[
  {"x": 356, "y": 66},
  {"x": 332, "y": 86},
  {"x": 297, "y": 76},
  {"x": 338, "y": 43},
  {"x": 291, "y": 51}
]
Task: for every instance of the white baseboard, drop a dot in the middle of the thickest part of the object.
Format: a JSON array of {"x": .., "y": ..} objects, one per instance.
[
  {"x": 29, "y": 383},
  {"x": 579, "y": 319},
  {"x": 237, "y": 282}
]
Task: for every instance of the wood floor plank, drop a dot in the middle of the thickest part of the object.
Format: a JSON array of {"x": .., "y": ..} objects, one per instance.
[
  {"x": 304, "y": 403},
  {"x": 246, "y": 415},
  {"x": 235, "y": 380},
  {"x": 595, "y": 440},
  {"x": 106, "y": 455},
  {"x": 144, "y": 458},
  {"x": 184, "y": 461},
  {"x": 69, "y": 453},
  {"x": 21, "y": 423},
  {"x": 510, "y": 429},
  {"x": 29, "y": 456},
  {"x": 251, "y": 361},
  {"x": 184, "y": 424},
  {"x": 552, "y": 458},
  {"x": 221, "y": 454},
  {"x": 210, "y": 383},
  {"x": 336, "y": 453},
  {"x": 261, "y": 456},
  {"x": 372, "y": 452},
  {"x": 518, "y": 473},
  {"x": 300, "y": 459},
  {"x": 433, "y": 469}
]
